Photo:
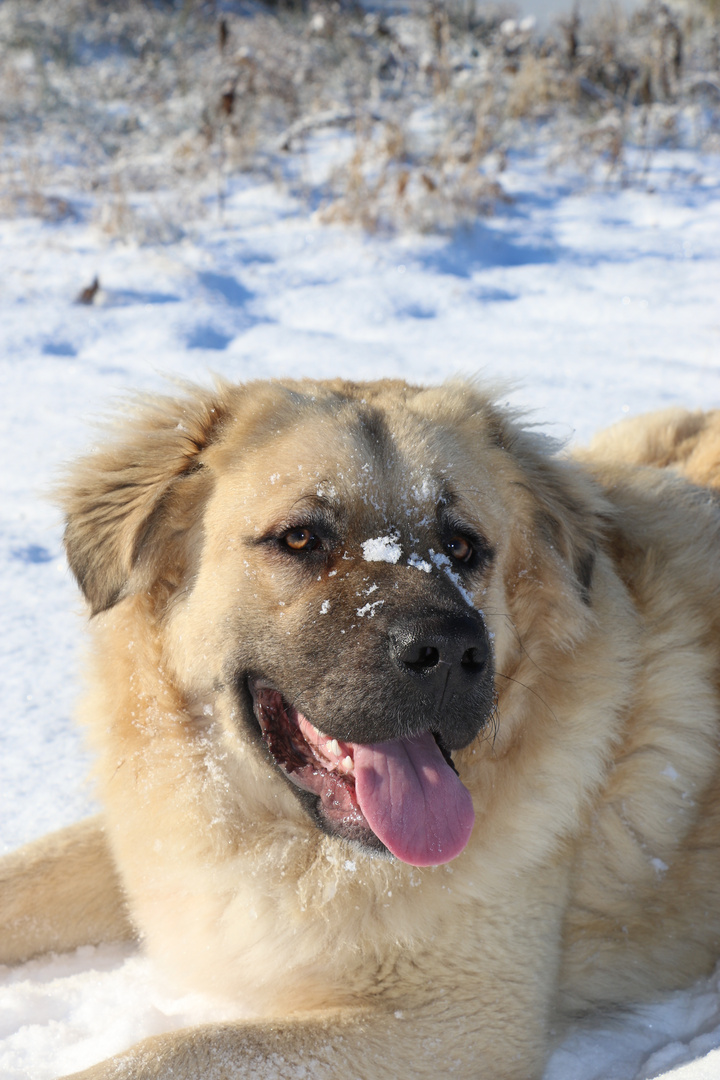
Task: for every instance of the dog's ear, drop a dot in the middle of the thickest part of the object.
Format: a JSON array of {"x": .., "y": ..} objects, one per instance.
[
  {"x": 568, "y": 516},
  {"x": 131, "y": 503},
  {"x": 569, "y": 509}
]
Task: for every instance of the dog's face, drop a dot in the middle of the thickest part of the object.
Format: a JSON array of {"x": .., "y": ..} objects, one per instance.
[{"x": 326, "y": 554}]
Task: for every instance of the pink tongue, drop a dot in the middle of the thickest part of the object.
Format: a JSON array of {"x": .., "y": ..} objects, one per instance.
[{"x": 412, "y": 799}]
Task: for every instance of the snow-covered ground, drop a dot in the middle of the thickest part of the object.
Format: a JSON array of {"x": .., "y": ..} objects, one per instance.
[{"x": 586, "y": 303}]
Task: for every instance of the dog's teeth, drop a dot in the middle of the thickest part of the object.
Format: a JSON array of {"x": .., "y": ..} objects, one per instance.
[
  {"x": 346, "y": 764},
  {"x": 332, "y": 747}
]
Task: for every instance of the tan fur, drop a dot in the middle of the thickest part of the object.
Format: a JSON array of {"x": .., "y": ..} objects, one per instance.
[
  {"x": 688, "y": 442},
  {"x": 60, "y": 892},
  {"x": 591, "y": 876}
]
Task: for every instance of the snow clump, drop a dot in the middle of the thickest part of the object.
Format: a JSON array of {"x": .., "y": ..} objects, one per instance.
[
  {"x": 382, "y": 549},
  {"x": 418, "y": 563},
  {"x": 443, "y": 563}
]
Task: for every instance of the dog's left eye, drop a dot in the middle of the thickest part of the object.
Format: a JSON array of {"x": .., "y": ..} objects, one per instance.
[
  {"x": 300, "y": 540},
  {"x": 459, "y": 548}
]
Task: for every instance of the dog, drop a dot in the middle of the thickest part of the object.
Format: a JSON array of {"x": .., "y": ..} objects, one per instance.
[{"x": 407, "y": 726}]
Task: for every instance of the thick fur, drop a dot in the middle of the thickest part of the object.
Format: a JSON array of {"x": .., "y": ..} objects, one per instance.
[{"x": 592, "y": 876}]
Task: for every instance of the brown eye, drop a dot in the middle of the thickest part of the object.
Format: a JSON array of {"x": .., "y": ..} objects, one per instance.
[
  {"x": 300, "y": 540},
  {"x": 460, "y": 548}
]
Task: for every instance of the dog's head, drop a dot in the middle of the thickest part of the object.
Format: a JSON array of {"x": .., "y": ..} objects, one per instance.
[{"x": 342, "y": 557}]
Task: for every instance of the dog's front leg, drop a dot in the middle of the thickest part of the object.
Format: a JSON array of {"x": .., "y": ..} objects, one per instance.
[
  {"x": 350, "y": 1046},
  {"x": 60, "y": 892}
]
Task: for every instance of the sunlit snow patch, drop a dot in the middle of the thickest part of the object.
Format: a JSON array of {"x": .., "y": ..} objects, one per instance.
[
  {"x": 369, "y": 609},
  {"x": 382, "y": 549},
  {"x": 418, "y": 563},
  {"x": 443, "y": 563}
]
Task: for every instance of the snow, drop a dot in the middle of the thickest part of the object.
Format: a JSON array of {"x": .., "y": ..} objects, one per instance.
[
  {"x": 443, "y": 563},
  {"x": 419, "y": 563},
  {"x": 382, "y": 549},
  {"x": 369, "y": 609},
  {"x": 582, "y": 303}
]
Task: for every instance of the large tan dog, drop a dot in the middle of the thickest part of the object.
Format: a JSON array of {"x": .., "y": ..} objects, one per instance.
[{"x": 334, "y": 624}]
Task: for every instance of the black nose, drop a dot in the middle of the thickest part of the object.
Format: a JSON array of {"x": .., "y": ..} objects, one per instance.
[{"x": 446, "y": 653}]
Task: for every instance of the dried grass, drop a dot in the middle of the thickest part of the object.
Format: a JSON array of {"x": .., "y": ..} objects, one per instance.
[{"x": 119, "y": 103}]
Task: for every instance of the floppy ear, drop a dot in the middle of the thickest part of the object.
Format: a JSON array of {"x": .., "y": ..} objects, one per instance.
[
  {"x": 568, "y": 516},
  {"x": 130, "y": 504},
  {"x": 569, "y": 508}
]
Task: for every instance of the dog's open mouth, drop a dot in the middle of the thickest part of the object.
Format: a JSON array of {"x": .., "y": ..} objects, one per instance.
[{"x": 403, "y": 792}]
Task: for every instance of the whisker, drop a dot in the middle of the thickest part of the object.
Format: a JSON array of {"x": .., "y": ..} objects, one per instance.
[
  {"x": 530, "y": 690},
  {"x": 492, "y": 725},
  {"x": 526, "y": 654}
]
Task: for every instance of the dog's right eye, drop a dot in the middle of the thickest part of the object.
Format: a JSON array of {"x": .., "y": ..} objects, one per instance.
[
  {"x": 460, "y": 549},
  {"x": 300, "y": 540}
]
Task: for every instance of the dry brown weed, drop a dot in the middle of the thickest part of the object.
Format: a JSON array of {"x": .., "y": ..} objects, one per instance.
[{"x": 141, "y": 99}]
